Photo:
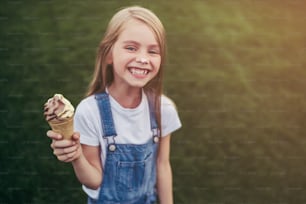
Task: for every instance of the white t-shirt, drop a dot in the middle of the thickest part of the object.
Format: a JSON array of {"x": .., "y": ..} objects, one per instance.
[{"x": 132, "y": 125}]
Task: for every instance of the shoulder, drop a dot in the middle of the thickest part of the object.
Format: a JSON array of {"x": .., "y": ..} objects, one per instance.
[
  {"x": 168, "y": 108},
  {"x": 167, "y": 103},
  {"x": 87, "y": 104},
  {"x": 87, "y": 108},
  {"x": 87, "y": 121},
  {"x": 170, "y": 118}
]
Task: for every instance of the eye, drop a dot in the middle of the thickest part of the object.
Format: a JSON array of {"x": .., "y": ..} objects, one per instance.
[
  {"x": 154, "y": 52},
  {"x": 131, "y": 48}
]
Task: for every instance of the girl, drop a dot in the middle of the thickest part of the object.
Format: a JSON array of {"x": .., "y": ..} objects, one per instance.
[{"x": 120, "y": 150}]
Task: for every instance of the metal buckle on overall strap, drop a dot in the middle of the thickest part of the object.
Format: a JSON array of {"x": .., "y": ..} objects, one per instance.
[
  {"x": 155, "y": 135},
  {"x": 155, "y": 139},
  {"x": 111, "y": 144}
]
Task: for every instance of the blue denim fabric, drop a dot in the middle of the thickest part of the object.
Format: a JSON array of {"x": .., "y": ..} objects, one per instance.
[{"x": 129, "y": 175}]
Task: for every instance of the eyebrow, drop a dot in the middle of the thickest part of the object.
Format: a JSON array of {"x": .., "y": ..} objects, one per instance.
[{"x": 137, "y": 43}]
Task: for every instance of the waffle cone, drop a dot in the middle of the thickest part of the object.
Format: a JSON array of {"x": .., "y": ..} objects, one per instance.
[{"x": 64, "y": 128}]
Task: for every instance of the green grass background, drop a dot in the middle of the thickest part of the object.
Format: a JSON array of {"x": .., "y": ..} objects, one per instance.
[{"x": 236, "y": 70}]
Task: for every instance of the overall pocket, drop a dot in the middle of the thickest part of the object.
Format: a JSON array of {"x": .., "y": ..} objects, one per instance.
[
  {"x": 131, "y": 178},
  {"x": 130, "y": 175}
]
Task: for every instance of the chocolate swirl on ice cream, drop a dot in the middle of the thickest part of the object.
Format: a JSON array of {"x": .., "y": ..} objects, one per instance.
[
  {"x": 59, "y": 113},
  {"x": 58, "y": 109}
]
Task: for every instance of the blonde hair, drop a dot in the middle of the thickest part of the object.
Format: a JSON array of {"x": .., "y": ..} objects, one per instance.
[{"x": 103, "y": 74}]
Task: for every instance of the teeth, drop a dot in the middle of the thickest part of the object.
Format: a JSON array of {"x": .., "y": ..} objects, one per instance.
[{"x": 139, "y": 71}]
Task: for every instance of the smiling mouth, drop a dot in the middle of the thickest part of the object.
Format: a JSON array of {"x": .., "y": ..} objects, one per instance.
[{"x": 138, "y": 71}]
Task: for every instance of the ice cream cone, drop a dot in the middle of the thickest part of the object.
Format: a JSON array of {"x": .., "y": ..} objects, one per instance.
[{"x": 65, "y": 128}]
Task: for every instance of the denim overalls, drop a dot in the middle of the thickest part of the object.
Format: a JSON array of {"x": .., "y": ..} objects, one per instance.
[{"x": 129, "y": 175}]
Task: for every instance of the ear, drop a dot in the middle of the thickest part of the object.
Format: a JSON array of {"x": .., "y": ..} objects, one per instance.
[{"x": 109, "y": 57}]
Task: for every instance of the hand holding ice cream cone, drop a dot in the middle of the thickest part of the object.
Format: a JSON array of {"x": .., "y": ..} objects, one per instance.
[
  {"x": 59, "y": 113},
  {"x": 66, "y": 150}
]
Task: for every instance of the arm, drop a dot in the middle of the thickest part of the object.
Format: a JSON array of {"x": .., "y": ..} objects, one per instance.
[
  {"x": 164, "y": 173},
  {"x": 85, "y": 159},
  {"x": 88, "y": 167}
]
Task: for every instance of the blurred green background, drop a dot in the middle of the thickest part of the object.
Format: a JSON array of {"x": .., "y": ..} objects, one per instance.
[{"x": 236, "y": 70}]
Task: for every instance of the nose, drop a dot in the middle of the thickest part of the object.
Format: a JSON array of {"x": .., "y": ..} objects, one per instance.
[
  {"x": 142, "y": 60},
  {"x": 142, "y": 56}
]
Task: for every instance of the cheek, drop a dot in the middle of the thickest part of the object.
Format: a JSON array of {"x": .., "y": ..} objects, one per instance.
[
  {"x": 123, "y": 57},
  {"x": 119, "y": 61},
  {"x": 156, "y": 69},
  {"x": 157, "y": 63}
]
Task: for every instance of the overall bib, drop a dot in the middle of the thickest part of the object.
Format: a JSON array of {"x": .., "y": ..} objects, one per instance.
[{"x": 129, "y": 175}]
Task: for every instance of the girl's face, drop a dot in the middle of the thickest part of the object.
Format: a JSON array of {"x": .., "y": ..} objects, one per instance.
[{"x": 135, "y": 56}]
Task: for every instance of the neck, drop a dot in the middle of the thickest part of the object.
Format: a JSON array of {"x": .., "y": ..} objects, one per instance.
[{"x": 126, "y": 97}]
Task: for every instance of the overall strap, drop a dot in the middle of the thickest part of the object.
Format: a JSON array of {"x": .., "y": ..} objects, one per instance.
[
  {"x": 153, "y": 121},
  {"x": 106, "y": 116}
]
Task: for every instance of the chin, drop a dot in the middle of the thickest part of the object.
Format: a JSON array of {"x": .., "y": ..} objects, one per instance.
[{"x": 137, "y": 85}]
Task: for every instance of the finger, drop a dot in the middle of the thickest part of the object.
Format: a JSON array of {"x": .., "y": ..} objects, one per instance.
[
  {"x": 67, "y": 157},
  {"x": 62, "y": 143},
  {"x": 71, "y": 155},
  {"x": 62, "y": 158},
  {"x": 53, "y": 135},
  {"x": 53, "y": 146},
  {"x": 76, "y": 136},
  {"x": 65, "y": 151}
]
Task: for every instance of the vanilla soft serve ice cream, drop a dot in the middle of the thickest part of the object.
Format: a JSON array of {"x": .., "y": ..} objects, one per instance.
[{"x": 59, "y": 112}]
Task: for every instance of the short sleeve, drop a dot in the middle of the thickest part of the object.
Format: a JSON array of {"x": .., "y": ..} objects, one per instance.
[
  {"x": 85, "y": 122},
  {"x": 170, "y": 118}
]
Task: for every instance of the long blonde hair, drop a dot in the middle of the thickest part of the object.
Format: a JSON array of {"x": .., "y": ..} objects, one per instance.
[{"x": 103, "y": 74}]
